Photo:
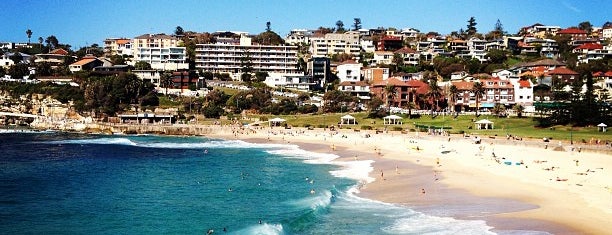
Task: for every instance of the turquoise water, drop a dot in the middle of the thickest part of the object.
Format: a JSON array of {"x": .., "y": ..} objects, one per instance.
[{"x": 53, "y": 183}]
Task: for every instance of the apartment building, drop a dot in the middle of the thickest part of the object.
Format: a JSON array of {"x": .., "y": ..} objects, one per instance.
[
  {"x": 335, "y": 43},
  {"x": 118, "y": 46},
  {"x": 230, "y": 57},
  {"x": 161, "y": 51}
]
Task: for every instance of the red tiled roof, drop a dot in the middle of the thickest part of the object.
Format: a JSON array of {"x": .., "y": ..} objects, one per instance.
[
  {"x": 571, "y": 31},
  {"x": 123, "y": 41},
  {"x": 59, "y": 51},
  {"x": 602, "y": 74},
  {"x": 562, "y": 71},
  {"x": 391, "y": 81},
  {"x": 524, "y": 83},
  {"x": 463, "y": 85},
  {"x": 590, "y": 46},
  {"x": 84, "y": 61},
  {"x": 416, "y": 83}
]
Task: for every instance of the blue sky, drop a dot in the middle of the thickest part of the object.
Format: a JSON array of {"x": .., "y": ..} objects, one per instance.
[{"x": 82, "y": 22}]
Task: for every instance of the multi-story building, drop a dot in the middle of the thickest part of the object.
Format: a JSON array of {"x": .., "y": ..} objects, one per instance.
[
  {"x": 606, "y": 32},
  {"x": 389, "y": 43},
  {"x": 118, "y": 46},
  {"x": 349, "y": 71},
  {"x": 299, "y": 36},
  {"x": 335, "y": 43},
  {"x": 319, "y": 69},
  {"x": 160, "y": 51},
  {"x": 382, "y": 57},
  {"x": 232, "y": 57},
  {"x": 405, "y": 92},
  {"x": 409, "y": 56},
  {"x": 375, "y": 75}
]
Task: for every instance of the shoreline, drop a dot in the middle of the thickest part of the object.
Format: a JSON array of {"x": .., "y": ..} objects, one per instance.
[
  {"x": 509, "y": 202},
  {"x": 508, "y": 197}
]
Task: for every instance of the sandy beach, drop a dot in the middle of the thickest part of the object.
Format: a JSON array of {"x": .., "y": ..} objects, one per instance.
[{"x": 510, "y": 184}]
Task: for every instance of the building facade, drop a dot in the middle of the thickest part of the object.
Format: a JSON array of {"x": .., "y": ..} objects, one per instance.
[{"x": 160, "y": 51}]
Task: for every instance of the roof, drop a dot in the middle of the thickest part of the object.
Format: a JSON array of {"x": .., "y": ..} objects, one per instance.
[
  {"x": 59, "y": 51},
  {"x": 383, "y": 52},
  {"x": 484, "y": 121},
  {"x": 157, "y": 36},
  {"x": 391, "y": 81},
  {"x": 123, "y": 41},
  {"x": 524, "y": 83},
  {"x": 590, "y": 46},
  {"x": 406, "y": 50},
  {"x": 545, "y": 62},
  {"x": 602, "y": 74},
  {"x": 562, "y": 71},
  {"x": 571, "y": 31},
  {"x": 463, "y": 85},
  {"x": 349, "y": 83},
  {"x": 84, "y": 61},
  {"x": 349, "y": 62}
]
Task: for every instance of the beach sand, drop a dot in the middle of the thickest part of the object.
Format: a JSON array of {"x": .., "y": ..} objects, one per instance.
[{"x": 513, "y": 185}]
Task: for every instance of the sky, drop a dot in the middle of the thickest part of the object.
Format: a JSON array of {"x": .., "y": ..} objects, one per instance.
[{"x": 84, "y": 22}]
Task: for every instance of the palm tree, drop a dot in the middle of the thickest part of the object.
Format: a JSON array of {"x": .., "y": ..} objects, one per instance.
[
  {"x": 478, "y": 89},
  {"x": 390, "y": 94},
  {"x": 29, "y": 33},
  {"x": 40, "y": 41},
  {"x": 453, "y": 92},
  {"x": 410, "y": 106},
  {"x": 166, "y": 80},
  {"x": 434, "y": 93},
  {"x": 499, "y": 109},
  {"x": 519, "y": 110}
]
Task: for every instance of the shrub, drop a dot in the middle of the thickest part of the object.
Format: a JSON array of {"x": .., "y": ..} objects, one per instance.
[
  {"x": 397, "y": 128},
  {"x": 365, "y": 127},
  {"x": 321, "y": 126}
]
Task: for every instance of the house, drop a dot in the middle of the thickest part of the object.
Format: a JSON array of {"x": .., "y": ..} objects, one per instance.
[
  {"x": 6, "y": 61},
  {"x": 118, "y": 46},
  {"x": 113, "y": 69},
  {"x": 587, "y": 47},
  {"x": 184, "y": 79},
  {"x": 389, "y": 43},
  {"x": 564, "y": 74},
  {"x": 497, "y": 91},
  {"x": 295, "y": 82},
  {"x": 574, "y": 33},
  {"x": 382, "y": 57},
  {"x": 409, "y": 55},
  {"x": 404, "y": 92},
  {"x": 150, "y": 75},
  {"x": 360, "y": 89},
  {"x": 349, "y": 71},
  {"x": 375, "y": 74},
  {"x": 459, "y": 75},
  {"x": 54, "y": 58},
  {"x": 88, "y": 63},
  {"x": 335, "y": 43},
  {"x": 502, "y": 73},
  {"x": 523, "y": 92},
  {"x": 464, "y": 97}
]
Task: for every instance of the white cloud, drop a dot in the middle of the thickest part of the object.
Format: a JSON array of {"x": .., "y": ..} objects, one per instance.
[{"x": 571, "y": 7}]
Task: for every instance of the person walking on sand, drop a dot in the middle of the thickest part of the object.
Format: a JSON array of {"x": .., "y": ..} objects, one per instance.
[{"x": 382, "y": 174}]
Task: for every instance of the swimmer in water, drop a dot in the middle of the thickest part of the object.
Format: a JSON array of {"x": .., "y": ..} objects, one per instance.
[
  {"x": 312, "y": 191},
  {"x": 205, "y": 151},
  {"x": 229, "y": 190}
]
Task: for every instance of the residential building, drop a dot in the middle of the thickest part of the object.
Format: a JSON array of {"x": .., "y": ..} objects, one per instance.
[
  {"x": 299, "y": 36},
  {"x": 523, "y": 91},
  {"x": 409, "y": 55},
  {"x": 367, "y": 45},
  {"x": 410, "y": 34},
  {"x": 587, "y": 47},
  {"x": 574, "y": 33},
  {"x": 375, "y": 74},
  {"x": 335, "y": 43},
  {"x": 118, "y": 46},
  {"x": 231, "y": 56},
  {"x": 349, "y": 71},
  {"x": 295, "y": 82},
  {"x": 183, "y": 79},
  {"x": 404, "y": 92},
  {"x": 151, "y": 75},
  {"x": 606, "y": 32},
  {"x": 319, "y": 69},
  {"x": 539, "y": 30},
  {"x": 497, "y": 91},
  {"x": 55, "y": 57},
  {"x": 88, "y": 63},
  {"x": 113, "y": 69},
  {"x": 382, "y": 57},
  {"x": 389, "y": 43},
  {"x": 564, "y": 74},
  {"x": 160, "y": 51},
  {"x": 6, "y": 61},
  {"x": 360, "y": 89}
]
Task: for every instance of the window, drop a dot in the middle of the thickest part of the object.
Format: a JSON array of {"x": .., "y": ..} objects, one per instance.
[{"x": 521, "y": 97}]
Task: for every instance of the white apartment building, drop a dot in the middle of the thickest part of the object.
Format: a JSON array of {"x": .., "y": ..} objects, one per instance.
[
  {"x": 382, "y": 57},
  {"x": 335, "y": 43},
  {"x": 161, "y": 51},
  {"x": 229, "y": 57},
  {"x": 606, "y": 33},
  {"x": 298, "y": 36},
  {"x": 349, "y": 72},
  {"x": 118, "y": 46}
]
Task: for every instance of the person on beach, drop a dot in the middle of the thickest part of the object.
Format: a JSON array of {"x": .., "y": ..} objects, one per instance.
[
  {"x": 382, "y": 174},
  {"x": 423, "y": 191}
]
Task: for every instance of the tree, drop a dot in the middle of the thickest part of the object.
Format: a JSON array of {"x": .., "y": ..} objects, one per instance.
[
  {"x": 246, "y": 67},
  {"x": 586, "y": 26},
  {"x": 390, "y": 94},
  {"x": 52, "y": 42},
  {"x": 261, "y": 76},
  {"x": 268, "y": 24},
  {"x": 434, "y": 93},
  {"x": 142, "y": 65},
  {"x": 179, "y": 31},
  {"x": 356, "y": 24},
  {"x": 471, "y": 26},
  {"x": 478, "y": 89},
  {"x": 166, "y": 80},
  {"x": 16, "y": 57},
  {"x": 499, "y": 28},
  {"x": 496, "y": 56},
  {"x": 18, "y": 71},
  {"x": 499, "y": 110},
  {"x": 340, "y": 27},
  {"x": 519, "y": 109},
  {"x": 453, "y": 92},
  {"x": 268, "y": 38},
  {"x": 29, "y": 33},
  {"x": 117, "y": 60},
  {"x": 40, "y": 41}
]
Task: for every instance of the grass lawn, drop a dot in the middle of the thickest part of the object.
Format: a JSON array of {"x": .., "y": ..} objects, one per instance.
[{"x": 522, "y": 127}]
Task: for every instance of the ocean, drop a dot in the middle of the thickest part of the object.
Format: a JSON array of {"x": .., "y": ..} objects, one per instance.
[{"x": 60, "y": 183}]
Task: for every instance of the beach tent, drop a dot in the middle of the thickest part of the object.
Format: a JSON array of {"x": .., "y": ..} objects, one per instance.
[
  {"x": 347, "y": 119},
  {"x": 392, "y": 120},
  {"x": 602, "y": 127},
  {"x": 484, "y": 124},
  {"x": 276, "y": 121}
]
